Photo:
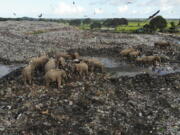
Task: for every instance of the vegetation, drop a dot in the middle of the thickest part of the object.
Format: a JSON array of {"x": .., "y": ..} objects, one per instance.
[
  {"x": 114, "y": 24},
  {"x": 87, "y": 21},
  {"x": 158, "y": 23},
  {"x": 75, "y": 22},
  {"x": 95, "y": 25},
  {"x": 172, "y": 29}
]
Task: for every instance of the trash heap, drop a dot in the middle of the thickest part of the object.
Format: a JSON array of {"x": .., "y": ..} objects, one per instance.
[{"x": 98, "y": 105}]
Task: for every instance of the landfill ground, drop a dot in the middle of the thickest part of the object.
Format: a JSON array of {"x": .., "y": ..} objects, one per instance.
[{"x": 126, "y": 99}]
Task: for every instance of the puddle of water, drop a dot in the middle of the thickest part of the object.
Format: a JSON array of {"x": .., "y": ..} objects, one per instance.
[
  {"x": 165, "y": 70},
  {"x": 6, "y": 69},
  {"x": 178, "y": 42},
  {"x": 118, "y": 68}
]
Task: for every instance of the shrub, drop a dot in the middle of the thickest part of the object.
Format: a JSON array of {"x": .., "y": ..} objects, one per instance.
[
  {"x": 75, "y": 22},
  {"x": 172, "y": 29},
  {"x": 179, "y": 22},
  {"x": 87, "y": 21},
  {"x": 158, "y": 23},
  {"x": 148, "y": 28},
  {"x": 95, "y": 25},
  {"x": 115, "y": 22}
]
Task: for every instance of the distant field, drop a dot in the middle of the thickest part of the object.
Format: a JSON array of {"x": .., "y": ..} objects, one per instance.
[{"x": 131, "y": 27}]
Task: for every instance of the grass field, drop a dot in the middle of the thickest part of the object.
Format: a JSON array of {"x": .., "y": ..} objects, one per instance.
[{"x": 131, "y": 27}]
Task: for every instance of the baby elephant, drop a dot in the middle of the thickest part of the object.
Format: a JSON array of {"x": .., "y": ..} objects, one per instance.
[
  {"x": 148, "y": 59},
  {"x": 60, "y": 62},
  {"x": 64, "y": 55},
  {"x": 162, "y": 44},
  {"x": 94, "y": 65},
  {"x": 39, "y": 62},
  {"x": 134, "y": 54},
  {"x": 126, "y": 51},
  {"x": 75, "y": 55},
  {"x": 55, "y": 75},
  {"x": 51, "y": 64},
  {"x": 153, "y": 59},
  {"x": 81, "y": 68},
  {"x": 27, "y": 73}
]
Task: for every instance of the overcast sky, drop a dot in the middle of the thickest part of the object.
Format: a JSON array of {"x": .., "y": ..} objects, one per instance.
[{"x": 89, "y": 8}]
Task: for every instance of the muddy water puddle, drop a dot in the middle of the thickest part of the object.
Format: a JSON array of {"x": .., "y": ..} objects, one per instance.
[
  {"x": 112, "y": 65},
  {"x": 6, "y": 69},
  {"x": 119, "y": 68}
]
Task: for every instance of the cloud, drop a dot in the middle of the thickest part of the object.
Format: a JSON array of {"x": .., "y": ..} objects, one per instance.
[
  {"x": 134, "y": 11},
  {"x": 123, "y": 9},
  {"x": 68, "y": 9},
  {"x": 98, "y": 11},
  {"x": 111, "y": 2},
  {"x": 166, "y": 5}
]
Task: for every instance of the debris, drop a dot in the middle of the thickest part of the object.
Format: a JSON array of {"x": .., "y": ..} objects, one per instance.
[{"x": 99, "y": 104}]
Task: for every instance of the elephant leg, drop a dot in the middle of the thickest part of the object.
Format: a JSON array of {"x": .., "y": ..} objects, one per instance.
[{"x": 59, "y": 82}]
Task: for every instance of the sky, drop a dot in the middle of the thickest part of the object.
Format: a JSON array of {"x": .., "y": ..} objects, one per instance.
[{"x": 89, "y": 8}]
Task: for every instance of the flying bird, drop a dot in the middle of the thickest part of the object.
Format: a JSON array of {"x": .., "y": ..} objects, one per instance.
[
  {"x": 129, "y": 2},
  {"x": 40, "y": 15},
  {"x": 14, "y": 14},
  {"x": 73, "y": 3},
  {"x": 153, "y": 15}
]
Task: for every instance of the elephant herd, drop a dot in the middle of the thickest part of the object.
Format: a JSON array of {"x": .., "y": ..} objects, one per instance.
[
  {"x": 135, "y": 54},
  {"x": 54, "y": 69}
]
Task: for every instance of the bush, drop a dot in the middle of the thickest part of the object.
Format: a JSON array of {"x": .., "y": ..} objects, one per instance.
[
  {"x": 95, "y": 25},
  {"x": 172, "y": 29},
  {"x": 115, "y": 22},
  {"x": 3, "y": 19},
  {"x": 87, "y": 21},
  {"x": 179, "y": 22},
  {"x": 158, "y": 23},
  {"x": 148, "y": 28},
  {"x": 75, "y": 22}
]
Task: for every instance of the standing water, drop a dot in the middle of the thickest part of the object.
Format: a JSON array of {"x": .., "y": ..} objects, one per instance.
[
  {"x": 6, "y": 69},
  {"x": 119, "y": 68}
]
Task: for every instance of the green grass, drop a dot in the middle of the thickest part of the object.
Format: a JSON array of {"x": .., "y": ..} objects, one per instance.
[
  {"x": 126, "y": 28},
  {"x": 139, "y": 24},
  {"x": 131, "y": 27},
  {"x": 85, "y": 27}
]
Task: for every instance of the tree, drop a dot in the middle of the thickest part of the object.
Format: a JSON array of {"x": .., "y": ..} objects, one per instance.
[
  {"x": 172, "y": 28},
  {"x": 87, "y": 21},
  {"x": 95, "y": 25},
  {"x": 115, "y": 22},
  {"x": 158, "y": 23},
  {"x": 75, "y": 22},
  {"x": 147, "y": 28},
  {"x": 179, "y": 22}
]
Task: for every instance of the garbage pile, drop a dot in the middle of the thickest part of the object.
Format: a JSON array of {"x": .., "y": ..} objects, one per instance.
[{"x": 98, "y": 105}]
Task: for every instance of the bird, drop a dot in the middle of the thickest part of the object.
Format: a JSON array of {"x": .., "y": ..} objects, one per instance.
[
  {"x": 129, "y": 2},
  {"x": 14, "y": 14},
  {"x": 40, "y": 15},
  {"x": 153, "y": 15}
]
